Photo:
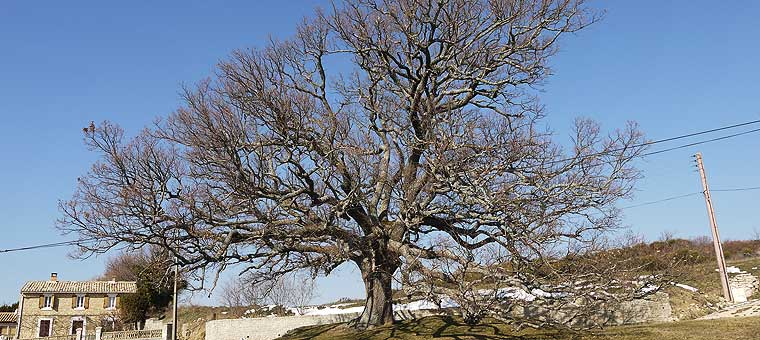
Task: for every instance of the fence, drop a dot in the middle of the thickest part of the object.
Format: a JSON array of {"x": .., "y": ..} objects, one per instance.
[
  {"x": 59, "y": 337},
  {"x": 131, "y": 335},
  {"x": 152, "y": 334}
]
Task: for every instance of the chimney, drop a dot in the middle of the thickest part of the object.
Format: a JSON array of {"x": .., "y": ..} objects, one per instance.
[{"x": 54, "y": 277}]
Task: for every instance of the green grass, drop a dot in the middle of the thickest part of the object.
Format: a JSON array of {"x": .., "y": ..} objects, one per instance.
[{"x": 448, "y": 328}]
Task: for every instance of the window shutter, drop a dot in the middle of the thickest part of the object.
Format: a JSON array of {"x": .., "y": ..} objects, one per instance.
[
  {"x": 73, "y": 301},
  {"x": 54, "y": 302},
  {"x": 42, "y": 301},
  {"x": 118, "y": 302},
  {"x": 86, "y": 302},
  {"x": 105, "y": 301}
]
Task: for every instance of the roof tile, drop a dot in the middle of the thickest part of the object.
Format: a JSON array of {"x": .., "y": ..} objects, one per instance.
[
  {"x": 7, "y": 317},
  {"x": 91, "y": 287}
]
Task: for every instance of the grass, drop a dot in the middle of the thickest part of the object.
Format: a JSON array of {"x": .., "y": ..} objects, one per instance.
[
  {"x": 448, "y": 328},
  {"x": 705, "y": 277},
  {"x": 685, "y": 304},
  {"x": 688, "y": 305}
]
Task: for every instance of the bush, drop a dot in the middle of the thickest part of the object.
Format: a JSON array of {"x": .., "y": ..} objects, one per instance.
[{"x": 9, "y": 308}]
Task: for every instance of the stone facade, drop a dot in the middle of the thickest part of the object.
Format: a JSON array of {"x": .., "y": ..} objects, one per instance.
[
  {"x": 8, "y": 322},
  {"x": 57, "y": 308}
]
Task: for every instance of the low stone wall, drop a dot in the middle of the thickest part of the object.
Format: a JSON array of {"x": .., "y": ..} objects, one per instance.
[
  {"x": 654, "y": 308},
  {"x": 153, "y": 323},
  {"x": 273, "y": 327},
  {"x": 267, "y": 328},
  {"x": 743, "y": 286}
]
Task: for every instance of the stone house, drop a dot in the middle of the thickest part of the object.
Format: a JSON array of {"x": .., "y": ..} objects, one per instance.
[
  {"x": 8, "y": 322},
  {"x": 56, "y": 308}
]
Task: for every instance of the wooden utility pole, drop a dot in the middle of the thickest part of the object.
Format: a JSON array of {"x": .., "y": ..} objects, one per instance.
[
  {"x": 173, "y": 335},
  {"x": 716, "y": 237},
  {"x": 174, "y": 300}
]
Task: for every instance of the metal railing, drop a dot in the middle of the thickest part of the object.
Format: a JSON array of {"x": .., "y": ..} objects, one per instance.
[
  {"x": 132, "y": 335},
  {"x": 153, "y": 334},
  {"x": 57, "y": 337}
]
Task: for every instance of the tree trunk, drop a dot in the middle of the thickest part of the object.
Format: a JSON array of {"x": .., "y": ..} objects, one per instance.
[{"x": 377, "y": 275}]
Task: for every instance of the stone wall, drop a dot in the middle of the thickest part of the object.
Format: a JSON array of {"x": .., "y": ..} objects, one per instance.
[
  {"x": 654, "y": 308},
  {"x": 743, "y": 286},
  {"x": 273, "y": 327},
  {"x": 267, "y": 328},
  {"x": 154, "y": 323}
]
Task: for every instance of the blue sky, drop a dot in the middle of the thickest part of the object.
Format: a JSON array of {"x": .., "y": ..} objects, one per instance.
[{"x": 674, "y": 67}]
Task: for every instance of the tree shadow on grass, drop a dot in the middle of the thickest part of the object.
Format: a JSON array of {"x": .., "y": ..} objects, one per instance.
[
  {"x": 310, "y": 332},
  {"x": 457, "y": 330},
  {"x": 434, "y": 327}
]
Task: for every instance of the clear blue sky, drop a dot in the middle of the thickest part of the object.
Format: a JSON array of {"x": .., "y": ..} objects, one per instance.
[{"x": 674, "y": 67}]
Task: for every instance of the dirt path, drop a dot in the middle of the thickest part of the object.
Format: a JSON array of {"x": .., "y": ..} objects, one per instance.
[{"x": 749, "y": 308}]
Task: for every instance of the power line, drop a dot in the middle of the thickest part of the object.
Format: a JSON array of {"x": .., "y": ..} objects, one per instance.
[
  {"x": 700, "y": 142},
  {"x": 662, "y": 200},
  {"x": 688, "y": 195},
  {"x": 47, "y": 245},
  {"x": 700, "y": 133},
  {"x": 669, "y": 139},
  {"x": 738, "y": 189}
]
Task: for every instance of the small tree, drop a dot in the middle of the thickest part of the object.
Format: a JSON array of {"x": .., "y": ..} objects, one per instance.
[
  {"x": 151, "y": 269},
  {"x": 9, "y": 307}
]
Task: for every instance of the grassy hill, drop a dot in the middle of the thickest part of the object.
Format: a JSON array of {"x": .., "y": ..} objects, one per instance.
[
  {"x": 447, "y": 328},
  {"x": 699, "y": 271}
]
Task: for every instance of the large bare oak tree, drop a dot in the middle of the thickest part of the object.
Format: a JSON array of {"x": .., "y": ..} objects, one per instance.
[{"x": 379, "y": 133}]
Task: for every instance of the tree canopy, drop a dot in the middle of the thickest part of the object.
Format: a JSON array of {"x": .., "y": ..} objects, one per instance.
[{"x": 404, "y": 136}]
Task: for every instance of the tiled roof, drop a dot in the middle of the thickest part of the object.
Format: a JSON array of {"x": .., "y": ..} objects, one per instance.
[
  {"x": 84, "y": 287},
  {"x": 7, "y": 317}
]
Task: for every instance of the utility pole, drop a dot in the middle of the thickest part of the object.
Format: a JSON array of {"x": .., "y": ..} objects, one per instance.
[
  {"x": 174, "y": 302},
  {"x": 174, "y": 295},
  {"x": 716, "y": 237}
]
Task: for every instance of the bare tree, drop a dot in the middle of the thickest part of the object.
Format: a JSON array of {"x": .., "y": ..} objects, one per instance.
[
  {"x": 292, "y": 290},
  {"x": 428, "y": 129},
  {"x": 289, "y": 290},
  {"x": 232, "y": 294}
]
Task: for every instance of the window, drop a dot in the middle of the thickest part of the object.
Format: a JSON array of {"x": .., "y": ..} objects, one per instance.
[
  {"x": 111, "y": 301},
  {"x": 76, "y": 323},
  {"x": 108, "y": 323},
  {"x": 45, "y": 327},
  {"x": 48, "y": 302},
  {"x": 80, "y": 301}
]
